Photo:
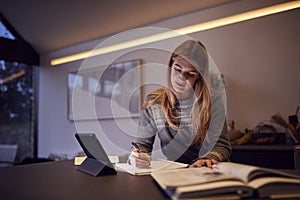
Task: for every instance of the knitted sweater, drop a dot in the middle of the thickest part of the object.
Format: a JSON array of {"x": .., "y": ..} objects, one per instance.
[{"x": 177, "y": 145}]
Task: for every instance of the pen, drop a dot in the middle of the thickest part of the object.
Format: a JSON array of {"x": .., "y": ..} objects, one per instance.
[{"x": 136, "y": 146}]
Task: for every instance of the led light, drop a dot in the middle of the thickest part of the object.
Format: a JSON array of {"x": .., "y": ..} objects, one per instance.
[{"x": 186, "y": 30}]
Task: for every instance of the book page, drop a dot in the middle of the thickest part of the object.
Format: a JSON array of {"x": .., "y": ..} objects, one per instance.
[
  {"x": 257, "y": 183},
  {"x": 249, "y": 172},
  {"x": 277, "y": 187},
  {"x": 156, "y": 165},
  {"x": 214, "y": 190},
  {"x": 234, "y": 169},
  {"x": 188, "y": 176}
]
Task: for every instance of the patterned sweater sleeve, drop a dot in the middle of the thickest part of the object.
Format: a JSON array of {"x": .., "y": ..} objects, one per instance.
[
  {"x": 217, "y": 143},
  {"x": 146, "y": 130},
  {"x": 222, "y": 149}
]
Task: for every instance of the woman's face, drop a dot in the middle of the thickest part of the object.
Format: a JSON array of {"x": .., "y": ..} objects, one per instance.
[{"x": 183, "y": 77}]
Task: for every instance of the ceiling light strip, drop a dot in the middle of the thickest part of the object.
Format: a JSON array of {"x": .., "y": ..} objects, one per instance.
[
  {"x": 186, "y": 30},
  {"x": 240, "y": 17}
]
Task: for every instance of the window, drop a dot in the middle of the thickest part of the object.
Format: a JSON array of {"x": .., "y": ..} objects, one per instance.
[
  {"x": 4, "y": 32},
  {"x": 18, "y": 96},
  {"x": 17, "y": 107}
]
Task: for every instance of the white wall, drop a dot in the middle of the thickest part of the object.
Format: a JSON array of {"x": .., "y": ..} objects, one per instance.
[{"x": 259, "y": 58}]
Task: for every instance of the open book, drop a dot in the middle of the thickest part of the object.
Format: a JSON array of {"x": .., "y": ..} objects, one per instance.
[
  {"x": 156, "y": 165},
  {"x": 228, "y": 180}
]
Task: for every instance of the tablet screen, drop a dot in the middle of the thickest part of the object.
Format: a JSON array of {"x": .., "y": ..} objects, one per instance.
[{"x": 92, "y": 148}]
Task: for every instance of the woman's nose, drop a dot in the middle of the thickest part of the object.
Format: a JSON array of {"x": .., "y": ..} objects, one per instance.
[{"x": 182, "y": 76}]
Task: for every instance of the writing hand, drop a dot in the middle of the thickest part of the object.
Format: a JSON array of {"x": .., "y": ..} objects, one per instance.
[
  {"x": 139, "y": 160},
  {"x": 203, "y": 162}
]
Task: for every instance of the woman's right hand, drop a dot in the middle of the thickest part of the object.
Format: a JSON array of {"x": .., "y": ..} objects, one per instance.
[{"x": 139, "y": 160}]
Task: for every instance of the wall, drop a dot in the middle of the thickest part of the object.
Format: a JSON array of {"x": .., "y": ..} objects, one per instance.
[{"x": 259, "y": 59}]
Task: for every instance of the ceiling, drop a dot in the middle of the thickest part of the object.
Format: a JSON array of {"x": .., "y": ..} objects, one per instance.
[{"x": 50, "y": 25}]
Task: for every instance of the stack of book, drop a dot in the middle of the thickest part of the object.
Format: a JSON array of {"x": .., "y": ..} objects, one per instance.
[{"x": 228, "y": 181}]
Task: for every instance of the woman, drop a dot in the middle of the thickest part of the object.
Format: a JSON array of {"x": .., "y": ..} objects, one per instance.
[{"x": 181, "y": 114}]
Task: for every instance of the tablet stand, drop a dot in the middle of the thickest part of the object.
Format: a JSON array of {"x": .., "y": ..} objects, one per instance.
[{"x": 95, "y": 167}]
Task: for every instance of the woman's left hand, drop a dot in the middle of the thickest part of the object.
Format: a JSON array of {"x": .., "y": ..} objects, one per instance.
[{"x": 204, "y": 162}]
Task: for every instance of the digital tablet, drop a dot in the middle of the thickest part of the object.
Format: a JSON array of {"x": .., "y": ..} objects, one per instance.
[{"x": 97, "y": 161}]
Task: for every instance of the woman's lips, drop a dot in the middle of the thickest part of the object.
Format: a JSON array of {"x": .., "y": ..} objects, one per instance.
[{"x": 180, "y": 85}]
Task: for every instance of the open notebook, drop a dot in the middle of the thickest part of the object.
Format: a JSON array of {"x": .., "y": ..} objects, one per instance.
[{"x": 156, "y": 165}]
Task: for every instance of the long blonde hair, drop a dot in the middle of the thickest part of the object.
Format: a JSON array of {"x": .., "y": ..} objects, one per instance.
[{"x": 195, "y": 53}]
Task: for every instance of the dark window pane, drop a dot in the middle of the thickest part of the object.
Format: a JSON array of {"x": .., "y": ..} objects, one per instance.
[{"x": 16, "y": 107}]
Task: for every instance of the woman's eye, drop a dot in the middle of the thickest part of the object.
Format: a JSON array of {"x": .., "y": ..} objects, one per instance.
[
  {"x": 191, "y": 74},
  {"x": 177, "y": 69},
  {"x": 187, "y": 74}
]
